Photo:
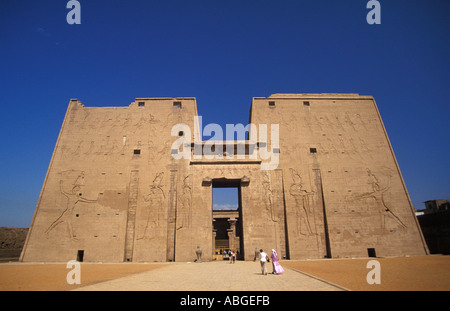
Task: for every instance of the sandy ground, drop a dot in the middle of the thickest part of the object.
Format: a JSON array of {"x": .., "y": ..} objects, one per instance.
[
  {"x": 427, "y": 273},
  {"x": 423, "y": 273},
  {"x": 52, "y": 277}
]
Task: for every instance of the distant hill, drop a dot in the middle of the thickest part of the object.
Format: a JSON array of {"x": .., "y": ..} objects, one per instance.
[
  {"x": 12, "y": 238},
  {"x": 11, "y": 242}
]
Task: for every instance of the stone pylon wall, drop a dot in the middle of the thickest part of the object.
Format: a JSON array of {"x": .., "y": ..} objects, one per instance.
[{"x": 115, "y": 192}]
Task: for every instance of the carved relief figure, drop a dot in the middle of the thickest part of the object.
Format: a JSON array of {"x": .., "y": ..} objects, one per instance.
[
  {"x": 268, "y": 195},
  {"x": 70, "y": 187},
  {"x": 378, "y": 194},
  {"x": 154, "y": 204},
  {"x": 143, "y": 121},
  {"x": 157, "y": 151},
  {"x": 184, "y": 209},
  {"x": 303, "y": 209}
]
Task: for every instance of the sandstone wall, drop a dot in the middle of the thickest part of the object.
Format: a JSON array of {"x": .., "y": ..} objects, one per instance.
[{"x": 114, "y": 190}]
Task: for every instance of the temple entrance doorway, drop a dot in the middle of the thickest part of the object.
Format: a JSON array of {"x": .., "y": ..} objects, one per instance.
[{"x": 227, "y": 219}]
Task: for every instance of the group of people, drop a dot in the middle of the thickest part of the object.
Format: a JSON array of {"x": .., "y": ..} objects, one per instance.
[
  {"x": 232, "y": 256},
  {"x": 264, "y": 258}
]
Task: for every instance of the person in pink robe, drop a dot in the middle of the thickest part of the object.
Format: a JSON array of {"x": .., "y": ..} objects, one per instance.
[{"x": 277, "y": 269}]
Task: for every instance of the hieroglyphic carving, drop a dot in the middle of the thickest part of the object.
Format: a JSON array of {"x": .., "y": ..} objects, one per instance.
[
  {"x": 70, "y": 185},
  {"x": 154, "y": 205},
  {"x": 142, "y": 121},
  {"x": 184, "y": 211},
  {"x": 91, "y": 148},
  {"x": 339, "y": 125},
  {"x": 91, "y": 144},
  {"x": 348, "y": 121},
  {"x": 131, "y": 215},
  {"x": 157, "y": 152},
  {"x": 303, "y": 210}
]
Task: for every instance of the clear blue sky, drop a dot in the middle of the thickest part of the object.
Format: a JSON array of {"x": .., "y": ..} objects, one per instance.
[{"x": 223, "y": 53}]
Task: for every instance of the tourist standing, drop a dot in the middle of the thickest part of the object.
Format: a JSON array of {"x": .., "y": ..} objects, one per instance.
[{"x": 263, "y": 260}]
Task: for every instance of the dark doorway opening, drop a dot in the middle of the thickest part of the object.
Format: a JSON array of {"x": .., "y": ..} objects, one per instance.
[
  {"x": 227, "y": 218},
  {"x": 371, "y": 252},
  {"x": 80, "y": 255}
]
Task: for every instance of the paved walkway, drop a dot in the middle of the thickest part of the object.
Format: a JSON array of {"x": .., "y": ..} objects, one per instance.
[{"x": 214, "y": 276}]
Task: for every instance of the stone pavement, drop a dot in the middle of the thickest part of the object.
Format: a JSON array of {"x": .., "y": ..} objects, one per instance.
[{"x": 214, "y": 276}]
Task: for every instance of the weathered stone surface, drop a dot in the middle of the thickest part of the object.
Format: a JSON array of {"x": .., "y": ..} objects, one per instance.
[{"x": 114, "y": 190}]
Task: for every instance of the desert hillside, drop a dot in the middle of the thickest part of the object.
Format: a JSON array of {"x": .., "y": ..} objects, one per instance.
[{"x": 11, "y": 242}]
